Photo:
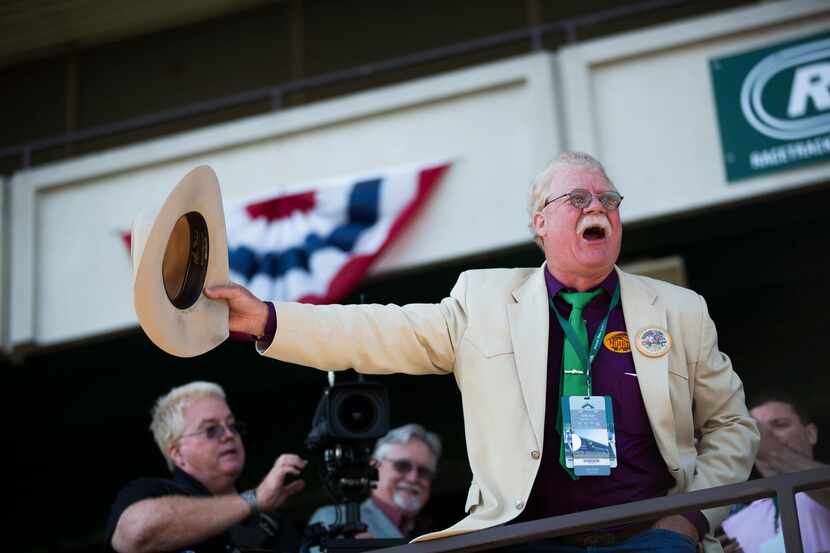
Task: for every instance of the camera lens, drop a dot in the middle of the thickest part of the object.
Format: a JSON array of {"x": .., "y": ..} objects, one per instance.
[
  {"x": 357, "y": 413},
  {"x": 352, "y": 414}
]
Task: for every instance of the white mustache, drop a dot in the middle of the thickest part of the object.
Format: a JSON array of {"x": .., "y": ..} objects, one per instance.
[
  {"x": 409, "y": 487},
  {"x": 593, "y": 220}
]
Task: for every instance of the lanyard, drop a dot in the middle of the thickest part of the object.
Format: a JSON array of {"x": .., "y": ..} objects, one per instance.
[
  {"x": 585, "y": 356},
  {"x": 776, "y": 514}
]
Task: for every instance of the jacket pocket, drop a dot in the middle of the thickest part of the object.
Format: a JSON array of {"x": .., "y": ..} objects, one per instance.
[
  {"x": 679, "y": 369},
  {"x": 493, "y": 347},
  {"x": 680, "y": 393}
]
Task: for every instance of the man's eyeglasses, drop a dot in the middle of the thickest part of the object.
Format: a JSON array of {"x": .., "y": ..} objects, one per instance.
[
  {"x": 404, "y": 466},
  {"x": 581, "y": 198},
  {"x": 216, "y": 432}
]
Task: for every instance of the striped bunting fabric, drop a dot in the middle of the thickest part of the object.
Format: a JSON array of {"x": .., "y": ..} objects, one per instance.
[{"x": 316, "y": 246}]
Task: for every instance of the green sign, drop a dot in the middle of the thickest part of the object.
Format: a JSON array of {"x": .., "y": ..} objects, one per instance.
[{"x": 774, "y": 106}]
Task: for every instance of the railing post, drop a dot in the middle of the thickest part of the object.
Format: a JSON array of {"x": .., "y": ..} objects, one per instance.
[
  {"x": 789, "y": 519},
  {"x": 536, "y": 40},
  {"x": 276, "y": 99},
  {"x": 26, "y": 156},
  {"x": 570, "y": 32}
]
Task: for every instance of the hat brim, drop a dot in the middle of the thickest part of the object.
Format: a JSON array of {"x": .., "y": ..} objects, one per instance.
[{"x": 200, "y": 327}]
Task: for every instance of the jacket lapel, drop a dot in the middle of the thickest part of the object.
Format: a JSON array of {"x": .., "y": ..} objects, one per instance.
[
  {"x": 529, "y": 333},
  {"x": 640, "y": 309}
]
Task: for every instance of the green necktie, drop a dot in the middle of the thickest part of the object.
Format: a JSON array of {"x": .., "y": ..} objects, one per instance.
[{"x": 574, "y": 380}]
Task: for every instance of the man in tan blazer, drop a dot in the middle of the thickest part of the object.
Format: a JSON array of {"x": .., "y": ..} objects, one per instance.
[{"x": 500, "y": 339}]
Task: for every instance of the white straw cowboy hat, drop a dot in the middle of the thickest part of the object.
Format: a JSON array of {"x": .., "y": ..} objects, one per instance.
[{"x": 177, "y": 252}]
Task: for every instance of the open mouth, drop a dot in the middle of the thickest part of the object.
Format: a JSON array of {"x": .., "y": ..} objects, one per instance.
[
  {"x": 593, "y": 233},
  {"x": 594, "y": 228},
  {"x": 228, "y": 453}
]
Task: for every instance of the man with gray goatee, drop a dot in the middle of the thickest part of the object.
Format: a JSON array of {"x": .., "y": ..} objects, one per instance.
[{"x": 406, "y": 459}]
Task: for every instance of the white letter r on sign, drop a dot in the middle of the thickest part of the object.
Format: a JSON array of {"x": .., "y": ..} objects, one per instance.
[{"x": 810, "y": 81}]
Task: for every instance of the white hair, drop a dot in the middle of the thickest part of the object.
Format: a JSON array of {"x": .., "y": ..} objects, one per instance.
[
  {"x": 168, "y": 413},
  {"x": 541, "y": 184},
  {"x": 405, "y": 434}
]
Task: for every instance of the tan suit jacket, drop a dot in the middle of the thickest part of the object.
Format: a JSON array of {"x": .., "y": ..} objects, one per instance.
[{"x": 491, "y": 333}]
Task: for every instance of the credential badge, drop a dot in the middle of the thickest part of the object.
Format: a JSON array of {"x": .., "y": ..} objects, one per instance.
[{"x": 653, "y": 341}]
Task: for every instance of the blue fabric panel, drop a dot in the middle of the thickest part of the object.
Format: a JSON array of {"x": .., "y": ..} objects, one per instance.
[{"x": 361, "y": 214}]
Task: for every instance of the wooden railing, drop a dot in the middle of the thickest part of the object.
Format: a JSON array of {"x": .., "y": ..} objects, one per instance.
[{"x": 784, "y": 487}]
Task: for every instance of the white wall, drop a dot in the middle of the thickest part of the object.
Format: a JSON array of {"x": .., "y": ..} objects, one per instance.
[
  {"x": 71, "y": 275},
  {"x": 643, "y": 104}
]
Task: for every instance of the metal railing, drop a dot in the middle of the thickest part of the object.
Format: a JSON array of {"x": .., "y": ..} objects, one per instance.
[
  {"x": 275, "y": 94},
  {"x": 784, "y": 486}
]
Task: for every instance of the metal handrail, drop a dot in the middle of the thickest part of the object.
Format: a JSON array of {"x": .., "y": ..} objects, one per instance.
[
  {"x": 783, "y": 486},
  {"x": 276, "y": 93}
]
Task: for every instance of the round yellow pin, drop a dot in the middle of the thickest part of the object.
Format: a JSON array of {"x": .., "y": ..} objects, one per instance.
[{"x": 617, "y": 342}]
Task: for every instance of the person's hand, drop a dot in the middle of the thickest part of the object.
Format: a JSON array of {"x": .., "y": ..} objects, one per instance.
[
  {"x": 776, "y": 457},
  {"x": 273, "y": 491},
  {"x": 730, "y": 545},
  {"x": 768, "y": 450},
  {"x": 248, "y": 313},
  {"x": 679, "y": 524}
]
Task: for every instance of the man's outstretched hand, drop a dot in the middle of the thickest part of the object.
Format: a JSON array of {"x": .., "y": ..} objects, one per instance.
[{"x": 248, "y": 313}]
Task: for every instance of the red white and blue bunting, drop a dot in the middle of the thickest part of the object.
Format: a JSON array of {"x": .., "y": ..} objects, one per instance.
[{"x": 316, "y": 246}]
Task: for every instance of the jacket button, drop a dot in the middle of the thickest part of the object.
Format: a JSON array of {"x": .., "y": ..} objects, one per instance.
[
  {"x": 520, "y": 505},
  {"x": 534, "y": 454}
]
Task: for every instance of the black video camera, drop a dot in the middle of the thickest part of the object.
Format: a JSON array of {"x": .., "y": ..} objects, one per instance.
[{"x": 348, "y": 420}]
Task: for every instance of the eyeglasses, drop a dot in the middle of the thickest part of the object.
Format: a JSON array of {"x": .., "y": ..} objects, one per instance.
[
  {"x": 216, "y": 432},
  {"x": 581, "y": 198},
  {"x": 404, "y": 466}
]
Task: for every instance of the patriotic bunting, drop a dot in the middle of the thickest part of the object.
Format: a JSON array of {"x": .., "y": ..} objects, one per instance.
[{"x": 315, "y": 247}]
